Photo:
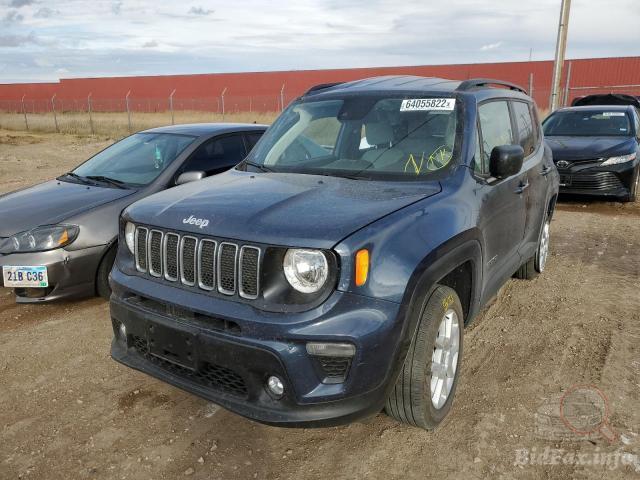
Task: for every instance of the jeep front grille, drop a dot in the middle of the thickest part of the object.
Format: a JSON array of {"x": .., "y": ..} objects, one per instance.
[{"x": 202, "y": 263}]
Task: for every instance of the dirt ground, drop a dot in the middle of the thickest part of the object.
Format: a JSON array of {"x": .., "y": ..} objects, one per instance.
[{"x": 68, "y": 411}]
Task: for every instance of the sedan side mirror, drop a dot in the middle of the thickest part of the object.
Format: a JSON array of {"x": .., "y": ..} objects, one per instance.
[
  {"x": 506, "y": 160},
  {"x": 188, "y": 177}
]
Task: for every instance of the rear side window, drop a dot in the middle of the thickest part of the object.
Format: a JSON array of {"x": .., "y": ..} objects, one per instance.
[
  {"x": 252, "y": 138},
  {"x": 216, "y": 155},
  {"x": 524, "y": 122},
  {"x": 495, "y": 126}
]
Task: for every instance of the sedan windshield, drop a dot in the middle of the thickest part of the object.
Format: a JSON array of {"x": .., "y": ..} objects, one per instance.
[
  {"x": 590, "y": 123},
  {"x": 361, "y": 137},
  {"x": 136, "y": 160}
]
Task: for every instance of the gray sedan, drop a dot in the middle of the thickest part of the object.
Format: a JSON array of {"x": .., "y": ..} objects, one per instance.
[{"x": 58, "y": 238}]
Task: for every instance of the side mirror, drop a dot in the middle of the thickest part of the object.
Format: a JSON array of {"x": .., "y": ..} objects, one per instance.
[
  {"x": 506, "y": 160},
  {"x": 188, "y": 177}
]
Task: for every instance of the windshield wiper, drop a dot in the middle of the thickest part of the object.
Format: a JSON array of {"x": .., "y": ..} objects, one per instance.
[
  {"x": 111, "y": 181},
  {"x": 262, "y": 168},
  {"x": 76, "y": 176}
]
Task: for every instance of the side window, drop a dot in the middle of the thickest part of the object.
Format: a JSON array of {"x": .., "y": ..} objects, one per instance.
[
  {"x": 495, "y": 124},
  {"x": 252, "y": 138},
  {"x": 524, "y": 122},
  {"x": 216, "y": 155},
  {"x": 636, "y": 121}
]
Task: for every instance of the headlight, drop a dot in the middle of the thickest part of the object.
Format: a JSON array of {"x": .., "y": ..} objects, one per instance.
[
  {"x": 621, "y": 159},
  {"x": 129, "y": 236},
  {"x": 306, "y": 270},
  {"x": 43, "y": 238}
]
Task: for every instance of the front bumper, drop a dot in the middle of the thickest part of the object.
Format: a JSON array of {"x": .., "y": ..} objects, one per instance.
[
  {"x": 72, "y": 273},
  {"x": 589, "y": 178},
  {"x": 233, "y": 351}
]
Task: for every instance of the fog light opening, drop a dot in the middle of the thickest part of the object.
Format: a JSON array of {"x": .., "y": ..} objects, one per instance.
[{"x": 275, "y": 386}]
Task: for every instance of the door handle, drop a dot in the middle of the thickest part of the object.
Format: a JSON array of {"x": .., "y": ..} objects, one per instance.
[
  {"x": 522, "y": 187},
  {"x": 545, "y": 171}
]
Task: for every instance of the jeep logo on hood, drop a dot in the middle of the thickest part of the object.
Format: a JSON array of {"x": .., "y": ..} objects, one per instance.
[{"x": 198, "y": 222}]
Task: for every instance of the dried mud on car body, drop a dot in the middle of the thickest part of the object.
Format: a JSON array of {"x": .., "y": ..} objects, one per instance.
[{"x": 69, "y": 411}]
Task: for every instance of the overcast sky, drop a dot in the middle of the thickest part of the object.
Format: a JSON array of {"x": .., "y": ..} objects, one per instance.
[{"x": 44, "y": 40}]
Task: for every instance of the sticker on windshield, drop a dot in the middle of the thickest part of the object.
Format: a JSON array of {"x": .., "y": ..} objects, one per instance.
[
  {"x": 415, "y": 104},
  {"x": 613, "y": 114}
]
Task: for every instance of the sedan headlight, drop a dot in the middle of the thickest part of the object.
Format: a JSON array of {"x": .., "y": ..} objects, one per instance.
[
  {"x": 620, "y": 159},
  {"x": 40, "y": 239},
  {"x": 306, "y": 270},
  {"x": 129, "y": 236}
]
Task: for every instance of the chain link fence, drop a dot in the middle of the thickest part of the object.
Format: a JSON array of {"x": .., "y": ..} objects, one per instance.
[{"x": 118, "y": 117}]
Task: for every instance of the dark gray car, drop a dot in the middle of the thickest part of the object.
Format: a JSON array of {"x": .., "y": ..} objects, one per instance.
[{"x": 58, "y": 238}]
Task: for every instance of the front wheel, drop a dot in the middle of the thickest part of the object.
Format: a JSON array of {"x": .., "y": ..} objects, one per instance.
[
  {"x": 102, "y": 277},
  {"x": 633, "y": 189},
  {"x": 424, "y": 390}
]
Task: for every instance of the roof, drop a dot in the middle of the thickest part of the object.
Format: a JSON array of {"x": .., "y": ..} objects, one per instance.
[
  {"x": 416, "y": 84},
  {"x": 607, "y": 99},
  {"x": 206, "y": 129}
]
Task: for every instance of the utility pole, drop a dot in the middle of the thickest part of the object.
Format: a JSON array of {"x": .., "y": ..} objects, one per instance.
[
  {"x": 126, "y": 102},
  {"x": 561, "y": 47},
  {"x": 222, "y": 98}
]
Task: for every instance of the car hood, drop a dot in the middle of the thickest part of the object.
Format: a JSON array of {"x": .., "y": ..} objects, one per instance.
[
  {"x": 277, "y": 208},
  {"x": 49, "y": 203},
  {"x": 586, "y": 148}
]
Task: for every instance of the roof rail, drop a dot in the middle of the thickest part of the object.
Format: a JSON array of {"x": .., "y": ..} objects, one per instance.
[
  {"x": 322, "y": 86},
  {"x": 484, "y": 82}
]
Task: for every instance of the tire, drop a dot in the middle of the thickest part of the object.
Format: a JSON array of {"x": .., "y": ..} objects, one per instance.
[
  {"x": 633, "y": 189},
  {"x": 410, "y": 400},
  {"x": 536, "y": 264},
  {"x": 102, "y": 277}
]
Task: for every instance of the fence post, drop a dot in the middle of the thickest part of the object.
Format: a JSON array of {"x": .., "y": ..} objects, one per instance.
[
  {"x": 24, "y": 112},
  {"x": 222, "y": 103},
  {"x": 566, "y": 87},
  {"x": 89, "y": 109},
  {"x": 171, "y": 106},
  {"x": 282, "y": 98},
  {"x": 126, "y": 102},
  {"x": 55, "y": 117}
]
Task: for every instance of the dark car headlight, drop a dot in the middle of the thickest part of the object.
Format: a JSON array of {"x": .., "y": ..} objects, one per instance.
[
  {"x": 40, "y": 239},
  {"x": 618, "y": 160}
]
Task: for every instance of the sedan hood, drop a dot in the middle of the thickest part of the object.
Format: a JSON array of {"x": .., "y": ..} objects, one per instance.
[
  {"x": 277, "y": 208},
  {"x": 50, "y": 203},
  {"x": 588, "y": 148}
]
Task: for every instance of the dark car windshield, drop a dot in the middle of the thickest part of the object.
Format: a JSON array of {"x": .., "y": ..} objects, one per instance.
[
  {"x": 135, "y": 160},
  {"x": 361, "y": 137},
  {"x": 591, "y": 123}
]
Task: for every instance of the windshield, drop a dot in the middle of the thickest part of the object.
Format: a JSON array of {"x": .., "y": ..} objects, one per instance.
[
  {"x": 591, "y": 123},
  {"x": 135, "y": 160},
  {"x": 361, "y": 137}
]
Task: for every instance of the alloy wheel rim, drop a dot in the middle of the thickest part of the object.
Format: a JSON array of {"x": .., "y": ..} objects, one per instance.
[
  {"x": 544, "y": 247},
  {"x": 444, "y": 360}
]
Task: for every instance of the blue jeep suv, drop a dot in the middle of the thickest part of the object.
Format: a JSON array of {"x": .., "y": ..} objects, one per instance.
[{"x": 331, "y": 273}]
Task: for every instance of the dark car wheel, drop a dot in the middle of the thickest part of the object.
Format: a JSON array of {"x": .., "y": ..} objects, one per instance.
[
  {"x": 535, "y": 265},
  {"x": 633, "y": 189},
  {"x": 102, "y": 278},
  {"x": 424, "y": 391}
]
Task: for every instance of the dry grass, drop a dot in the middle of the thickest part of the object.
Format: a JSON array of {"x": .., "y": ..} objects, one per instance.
[{"x": 115, "y": 125}]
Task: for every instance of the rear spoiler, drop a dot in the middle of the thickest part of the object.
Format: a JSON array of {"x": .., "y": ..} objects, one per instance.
[{"x": 606, "y": 99}]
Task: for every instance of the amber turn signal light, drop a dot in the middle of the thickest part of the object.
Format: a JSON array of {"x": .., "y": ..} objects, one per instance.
[{"x": 362, "y": 267}]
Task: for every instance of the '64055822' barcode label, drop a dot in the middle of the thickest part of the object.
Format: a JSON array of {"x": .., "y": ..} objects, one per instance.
[{"x": 427, "y": 104}]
